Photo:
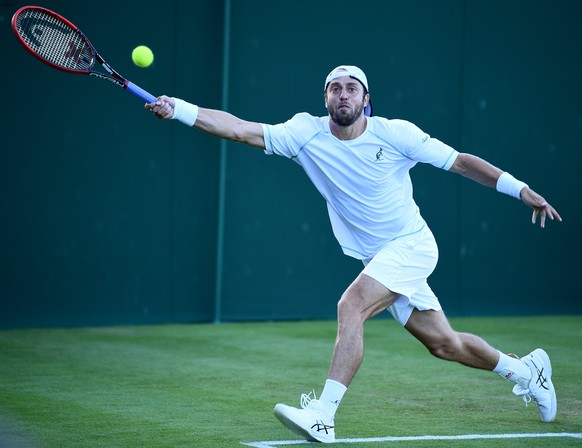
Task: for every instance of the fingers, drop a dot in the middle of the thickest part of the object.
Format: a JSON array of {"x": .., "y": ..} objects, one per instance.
[
  {"x": 534, "y": 216},
  {"x": 540, "y": 207},
  {"x": 544, "y": 210},
  {"x": 161, "y": 108},
  {"x": 161, "y": 98},
  {"x": 539, "y": 211}
]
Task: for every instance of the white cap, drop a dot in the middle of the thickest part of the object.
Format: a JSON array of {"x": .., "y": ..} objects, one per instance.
[{"x": 353, "y": 72}]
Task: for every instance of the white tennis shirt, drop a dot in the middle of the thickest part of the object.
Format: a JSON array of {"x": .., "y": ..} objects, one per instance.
[{"x": 365, "y": 181}]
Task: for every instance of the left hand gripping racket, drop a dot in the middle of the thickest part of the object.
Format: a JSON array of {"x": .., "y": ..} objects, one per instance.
[{"x": 57, "y": 42}]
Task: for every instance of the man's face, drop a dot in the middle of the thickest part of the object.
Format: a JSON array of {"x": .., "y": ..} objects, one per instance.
[{"x": 345, "y": 99}]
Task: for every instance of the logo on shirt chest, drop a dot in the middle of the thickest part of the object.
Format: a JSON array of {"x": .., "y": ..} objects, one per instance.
[{"x": 379, "y": 155}]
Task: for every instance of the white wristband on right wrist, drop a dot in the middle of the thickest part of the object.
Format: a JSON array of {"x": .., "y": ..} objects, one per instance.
[
  {"x": 510, "y": 185},
  {"x": 185, "y": 112}
]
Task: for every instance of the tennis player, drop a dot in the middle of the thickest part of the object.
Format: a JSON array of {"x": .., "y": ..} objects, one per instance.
[{"x": 360, "y": 164}]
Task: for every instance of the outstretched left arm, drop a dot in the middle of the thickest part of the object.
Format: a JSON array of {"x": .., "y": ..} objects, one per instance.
[{"x": 481, "y": 171}]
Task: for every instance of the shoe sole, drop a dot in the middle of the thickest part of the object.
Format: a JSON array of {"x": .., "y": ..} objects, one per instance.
[{"x": 281, "y": 414}]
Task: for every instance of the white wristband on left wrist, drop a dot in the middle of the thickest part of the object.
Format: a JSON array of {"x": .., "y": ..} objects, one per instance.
[{"x": 510, "y": 185}]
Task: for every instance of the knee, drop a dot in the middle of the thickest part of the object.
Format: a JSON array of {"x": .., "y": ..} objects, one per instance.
[
  {"x": 349, "y": 309},
  {"x": 446, "y": 348},
  {"x": 346, "y": 307},
  {"x": 363, "y": 299}
]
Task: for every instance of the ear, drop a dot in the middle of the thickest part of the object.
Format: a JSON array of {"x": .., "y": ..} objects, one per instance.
[{"x": 325, "y": 99}]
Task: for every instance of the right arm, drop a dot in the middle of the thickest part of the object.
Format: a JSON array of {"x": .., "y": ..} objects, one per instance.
[{"x": 215, "y": 122}]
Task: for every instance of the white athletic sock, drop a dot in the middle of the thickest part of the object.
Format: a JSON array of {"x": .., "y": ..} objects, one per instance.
[
  {"x": 331, "y": 396},
  {"x": 513, "y": 370}
]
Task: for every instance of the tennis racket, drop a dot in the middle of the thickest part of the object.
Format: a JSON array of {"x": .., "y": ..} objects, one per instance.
[{"x": 57, "y": 42}]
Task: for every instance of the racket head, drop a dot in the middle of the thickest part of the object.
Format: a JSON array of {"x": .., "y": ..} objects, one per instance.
[{"x": 53, "y": 39}]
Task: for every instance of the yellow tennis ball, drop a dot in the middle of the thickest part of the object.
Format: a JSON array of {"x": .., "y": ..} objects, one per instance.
[{"x": 142, "y": 56}]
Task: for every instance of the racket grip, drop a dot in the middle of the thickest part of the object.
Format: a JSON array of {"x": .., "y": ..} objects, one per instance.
[{"x": 138, "y": 91}]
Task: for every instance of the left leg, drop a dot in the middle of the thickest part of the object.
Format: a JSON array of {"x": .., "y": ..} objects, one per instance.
[
  {"x": 532, "y": 374},
  {"x": 433, "y": 330}
]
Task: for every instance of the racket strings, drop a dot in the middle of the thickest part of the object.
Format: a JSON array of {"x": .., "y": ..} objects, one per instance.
[{"x": 54, "y": 40}]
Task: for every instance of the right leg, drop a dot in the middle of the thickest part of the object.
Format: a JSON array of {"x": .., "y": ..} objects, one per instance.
[
  {"x": 364, "y": 298},
  {"x": 402, "y": 265}
]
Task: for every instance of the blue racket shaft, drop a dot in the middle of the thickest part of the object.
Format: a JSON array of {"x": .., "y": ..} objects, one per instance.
[{"x": 138, "y": 91}]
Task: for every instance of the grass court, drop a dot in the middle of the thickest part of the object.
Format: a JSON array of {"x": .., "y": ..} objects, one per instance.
[{"x": 206, "y": 385}]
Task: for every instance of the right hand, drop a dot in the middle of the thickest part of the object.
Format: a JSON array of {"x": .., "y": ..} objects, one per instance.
[{"x": 163, "y": 108}]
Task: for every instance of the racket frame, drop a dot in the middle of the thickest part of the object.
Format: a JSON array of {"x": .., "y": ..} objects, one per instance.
[{"x": 111, "y": 74}]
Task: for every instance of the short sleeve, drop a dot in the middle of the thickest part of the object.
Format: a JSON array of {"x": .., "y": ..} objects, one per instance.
[
  {"x": 421, "y": 147},
  {"x": 288, "y": 139}
]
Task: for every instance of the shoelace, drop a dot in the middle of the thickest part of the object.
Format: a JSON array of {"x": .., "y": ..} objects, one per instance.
[
  {"x": 525, "y": 394},
  {"x": 306, "y": 398}
]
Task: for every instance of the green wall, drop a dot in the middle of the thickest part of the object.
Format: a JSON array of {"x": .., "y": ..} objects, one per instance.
[{"x": 108, "y": 216}]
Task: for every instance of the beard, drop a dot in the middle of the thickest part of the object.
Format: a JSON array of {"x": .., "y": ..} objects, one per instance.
[{"x": 345, "y": 119}]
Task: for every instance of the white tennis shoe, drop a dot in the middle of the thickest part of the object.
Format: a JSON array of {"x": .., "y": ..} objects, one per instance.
[
  {"x": 540, "y": 388},
  {"x": 311, "y": 421}
]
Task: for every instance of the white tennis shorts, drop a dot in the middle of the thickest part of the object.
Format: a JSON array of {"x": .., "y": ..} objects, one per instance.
[{"x": 403, "y": 266}]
